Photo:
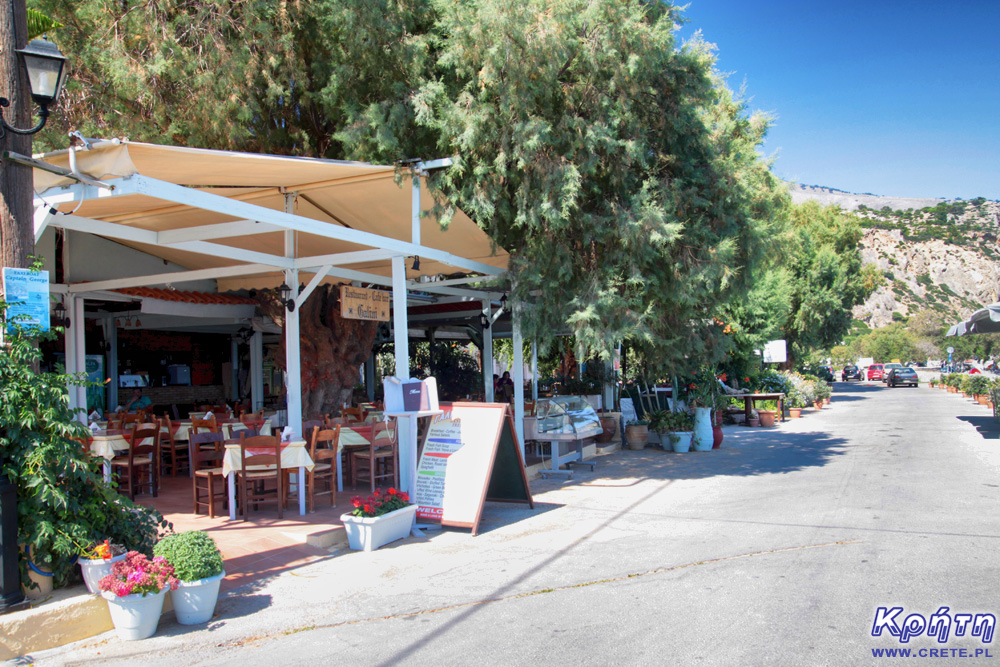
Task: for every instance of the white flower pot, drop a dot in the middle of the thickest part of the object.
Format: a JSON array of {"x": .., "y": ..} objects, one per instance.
[
  {"x": 681, "y": 440},
  {"x": 194, "y": 601},
  {"x": 135, "y": 617},
  {"x": 369, "y": 533},
  {"x": 703, "y": 436},
  {"x": 95, "y": 569}
]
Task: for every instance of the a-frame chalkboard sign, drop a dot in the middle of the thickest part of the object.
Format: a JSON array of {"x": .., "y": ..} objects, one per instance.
[{"x": 470, "y": 455}]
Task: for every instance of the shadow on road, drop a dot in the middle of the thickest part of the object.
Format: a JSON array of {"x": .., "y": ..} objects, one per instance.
[{"x": 985, "y": 425}]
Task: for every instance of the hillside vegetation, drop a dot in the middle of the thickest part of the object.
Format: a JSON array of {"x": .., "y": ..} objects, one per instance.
[{"x": 935, "y": 254}]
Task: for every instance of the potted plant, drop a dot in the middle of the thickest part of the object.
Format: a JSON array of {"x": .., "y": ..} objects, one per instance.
[
  {"x": 754, "y": 419},
  {"x": 135, "y": 590},
  {"x": 704, "y": 394},
  {"x": 379, "y": 520},
  {"x": 609, "y": 426},
  {"x": 681, "y": 425},
  {"x": 199, "y": 569},
  {"x": 96, "y": 561},
  {"x": 637, "y": 433}
]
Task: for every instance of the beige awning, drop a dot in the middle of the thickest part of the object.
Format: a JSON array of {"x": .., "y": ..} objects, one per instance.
[{"x": 340, "y": 195}]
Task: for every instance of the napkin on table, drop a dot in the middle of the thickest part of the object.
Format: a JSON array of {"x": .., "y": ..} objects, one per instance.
[
  {"x": 94, "y": 427},
  {"x": 286, "y": 434},
  {"x": 208, "y": 415},
  {"x": 95, "y": 415}
]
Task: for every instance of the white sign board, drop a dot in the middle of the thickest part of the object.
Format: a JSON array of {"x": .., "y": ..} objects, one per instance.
[
  {"x": 27, "y": 295},
  {"x": 775, "y": 352}
]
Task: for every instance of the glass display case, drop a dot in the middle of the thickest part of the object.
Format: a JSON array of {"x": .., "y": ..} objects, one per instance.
[{"x": 563, "y": 418}]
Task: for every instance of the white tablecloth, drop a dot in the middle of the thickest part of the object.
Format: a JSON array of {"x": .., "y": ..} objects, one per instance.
[{"x": 293, "y": 455}]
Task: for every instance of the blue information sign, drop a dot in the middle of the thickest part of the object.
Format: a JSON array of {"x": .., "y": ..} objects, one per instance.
[{"x": 27, "y": 295}]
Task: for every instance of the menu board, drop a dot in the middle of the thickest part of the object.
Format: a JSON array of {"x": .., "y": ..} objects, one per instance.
[{"x": 470, "y": 455}]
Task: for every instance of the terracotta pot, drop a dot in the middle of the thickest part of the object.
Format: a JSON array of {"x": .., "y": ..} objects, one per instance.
[
  {"x": 826, "y": 401},
  {"x": 794, "y": 413},
  {"x": 818, "y": 405},
  {"x": 717, "y": 435},
  {"x": 610, "y": 426},
  {"x": 767, "y": 417},
  {"x": 753, "y": 422},
  {"x": 636, "y": 436}
]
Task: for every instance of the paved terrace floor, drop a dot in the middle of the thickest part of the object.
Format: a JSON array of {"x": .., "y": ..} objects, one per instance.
[{"x": 265, "y": 545}]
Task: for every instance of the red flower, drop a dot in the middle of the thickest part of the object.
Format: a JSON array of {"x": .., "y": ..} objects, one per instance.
[
  {"x": 405, "y": 497},
  {"x": 692, "y": 386},
  {"x": 356, "y": 501},
  {"x": 723, "y": 377},
  {"x": 392, "y": 491},
  {"x": 368, "y": 508},
  {"x": 746, "y": 379}
]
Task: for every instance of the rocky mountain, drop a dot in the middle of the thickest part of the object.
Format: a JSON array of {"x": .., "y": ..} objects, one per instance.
[{"x": 935, "y": 254}]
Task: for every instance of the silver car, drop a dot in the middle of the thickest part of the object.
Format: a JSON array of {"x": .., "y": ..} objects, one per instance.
[{"x": 897, "y": 377}]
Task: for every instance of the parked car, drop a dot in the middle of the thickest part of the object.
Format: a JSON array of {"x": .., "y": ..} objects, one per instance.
[
  {"x": 825, "y": 373},
  {"x": 888, "y": 367},
  {"x": 875, "y": 372},
  {"x": 902, "y": 376},
  {"x": 850, "y": 373}
]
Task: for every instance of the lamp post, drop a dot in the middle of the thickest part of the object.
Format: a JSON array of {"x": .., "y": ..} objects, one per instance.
[{"x": 44, "y": 68}]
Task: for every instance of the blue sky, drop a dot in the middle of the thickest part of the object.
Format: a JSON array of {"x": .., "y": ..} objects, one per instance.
[{"x": 887, "y": 97}]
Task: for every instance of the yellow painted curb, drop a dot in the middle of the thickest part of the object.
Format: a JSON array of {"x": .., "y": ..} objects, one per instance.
[{"x": 55, "y": 623}]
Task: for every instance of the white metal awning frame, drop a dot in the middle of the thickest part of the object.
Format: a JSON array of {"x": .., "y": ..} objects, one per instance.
[{"x": 255, "y": 219}]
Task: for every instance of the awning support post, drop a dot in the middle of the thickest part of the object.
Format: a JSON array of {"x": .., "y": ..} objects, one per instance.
[
  {"x": 518, "y": 343},
  {"x": 257, "y": 371},
  {"x": 293, "y": 355},
  {"x": 488, "y": 352}
]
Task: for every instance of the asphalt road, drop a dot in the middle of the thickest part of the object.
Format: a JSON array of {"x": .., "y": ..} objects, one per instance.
[{"x": 775, "y": 550}]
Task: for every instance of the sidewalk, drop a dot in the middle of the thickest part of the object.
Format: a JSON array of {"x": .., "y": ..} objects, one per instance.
[{"x": 572, "y": 530}]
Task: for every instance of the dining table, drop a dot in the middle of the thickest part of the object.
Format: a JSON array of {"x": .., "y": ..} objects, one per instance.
[
  {"x": 293, "y": 455},
  {"x": 109, "y": 443}
]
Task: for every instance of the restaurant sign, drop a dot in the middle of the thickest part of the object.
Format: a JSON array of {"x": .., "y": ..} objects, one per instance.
[
  {"x": 358, "y": 303},
  {"x": 27, "y": 295}
]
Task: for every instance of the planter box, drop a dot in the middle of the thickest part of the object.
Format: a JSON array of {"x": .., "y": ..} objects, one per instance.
[{"x": 369, "y": 533}]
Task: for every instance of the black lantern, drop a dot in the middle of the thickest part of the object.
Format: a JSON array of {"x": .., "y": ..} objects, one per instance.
[
  {"x": 484, "y": 321},
  {"x": 503, "y": 300},
  {"x": 59, "y": 313},
  {"x": 416, "y": 263},
  {"x": 283, "y": 293},
  {"x": 46, "y": 68}
]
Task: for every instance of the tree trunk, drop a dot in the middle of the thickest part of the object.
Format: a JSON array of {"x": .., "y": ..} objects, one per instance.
[
  {"x": 331, "y": 348},
  {"x": 17, "y": 240}
]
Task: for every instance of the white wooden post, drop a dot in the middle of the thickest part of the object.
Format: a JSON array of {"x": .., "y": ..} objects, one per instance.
[
  {"x": 257, "y": 370},
  {"x": 534, "y": 370},
  {"x": 293, "y": 357},
  {"x": 80, "y": 331},
  {"x": 401, "y": 339},
  {"x": 488, "y": 352},
  {"x": 518, "y": 343},
  {"x": 234, "y": 363},
  {"x": 70, "y": 346}
]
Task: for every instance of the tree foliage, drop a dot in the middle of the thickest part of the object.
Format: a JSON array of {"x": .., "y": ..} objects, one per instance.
[
  {"x": 611, "y": 161},
  {"x": 823, "y": 257}
]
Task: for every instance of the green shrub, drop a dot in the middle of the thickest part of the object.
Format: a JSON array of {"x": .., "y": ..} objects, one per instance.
[
  {"x": 193, "y": 554},
  {"x": 63, "y": 503}
]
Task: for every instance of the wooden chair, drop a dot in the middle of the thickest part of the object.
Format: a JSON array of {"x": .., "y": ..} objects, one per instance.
[
  {"x": 178, "y": 452},
  {"x": 258, "y": 469},
  {"x": 140, "y": 467},
  {"x": 324, "y": 448},
  {"x": 354, "y": 414},
  {"x": 379, "y": 461},
  {"x": 207, "y": 467},
  {"x": 309, "y": 425},
  {"x": 252, "y": 418},
  {"x": 204, "y": 425}
]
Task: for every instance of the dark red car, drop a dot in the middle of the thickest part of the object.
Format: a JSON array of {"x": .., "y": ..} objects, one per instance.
[{"x": 875, "y": 372}]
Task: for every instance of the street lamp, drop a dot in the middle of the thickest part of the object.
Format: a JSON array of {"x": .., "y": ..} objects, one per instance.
[{"x": 46, "y": 68}]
